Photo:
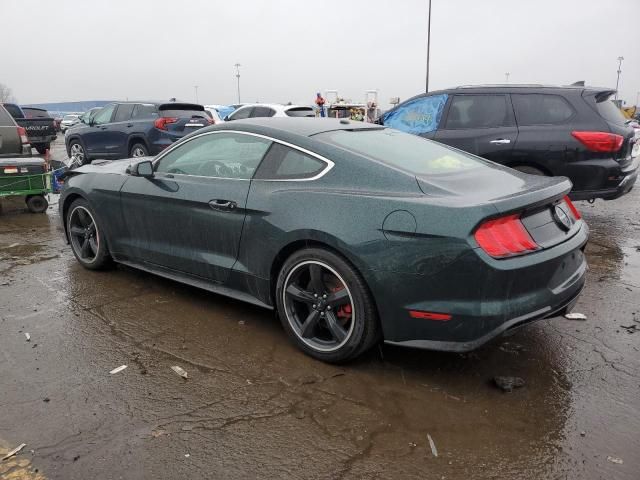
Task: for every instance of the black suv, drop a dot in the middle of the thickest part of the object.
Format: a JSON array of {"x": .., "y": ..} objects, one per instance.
[
  {"x": 577, "y": 132},
  {"x": 132, "y": 129}
]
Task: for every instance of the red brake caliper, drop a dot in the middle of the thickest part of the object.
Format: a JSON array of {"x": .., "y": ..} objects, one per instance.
[{"x": 345, "y": 310}]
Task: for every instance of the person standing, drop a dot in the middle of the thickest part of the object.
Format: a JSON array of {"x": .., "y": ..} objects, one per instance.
[{"x": 320, "y": 103}]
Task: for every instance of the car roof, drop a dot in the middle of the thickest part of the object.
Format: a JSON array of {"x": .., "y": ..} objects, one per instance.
[
  {"x": 518, "y": 88},
  {"x": 304, "y": 126},
  {"x": 275, "y": 106}
]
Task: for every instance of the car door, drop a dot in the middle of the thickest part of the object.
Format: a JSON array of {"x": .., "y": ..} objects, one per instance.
[
  {"x": 96, "y": 136},
  {"x": 119, "y": 130},
  {"x": 189, "y": 216},
  {"x": 481, "y": 124}
]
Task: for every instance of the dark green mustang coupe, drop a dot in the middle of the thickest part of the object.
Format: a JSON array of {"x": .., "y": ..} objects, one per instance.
[{"x": 352, "y": 231}]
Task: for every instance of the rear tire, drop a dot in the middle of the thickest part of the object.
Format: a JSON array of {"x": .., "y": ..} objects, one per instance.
[
  {"x": 85, "y": 236},
  {"x": 138, "y": 150},
  {"x": 325, "y": 306},
  {"x": 530, "y": 170},
  {"x": 37, "y": 204}
]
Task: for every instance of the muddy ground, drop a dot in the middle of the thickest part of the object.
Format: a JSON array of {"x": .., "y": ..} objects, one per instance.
[{"x": 255, "y": 407}]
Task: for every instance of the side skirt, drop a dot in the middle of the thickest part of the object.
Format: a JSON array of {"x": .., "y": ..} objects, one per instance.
[{"x": 195, "y": 282}]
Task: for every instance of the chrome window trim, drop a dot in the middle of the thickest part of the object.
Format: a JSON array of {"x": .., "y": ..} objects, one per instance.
[{"x": 329, "y": 163}]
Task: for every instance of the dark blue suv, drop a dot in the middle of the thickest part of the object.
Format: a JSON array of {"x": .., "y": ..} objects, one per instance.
[{"x": 132, "y": 129}]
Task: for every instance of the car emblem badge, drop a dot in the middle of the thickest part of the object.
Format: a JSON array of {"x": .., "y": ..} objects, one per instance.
[{"x": 562, "y": 218}]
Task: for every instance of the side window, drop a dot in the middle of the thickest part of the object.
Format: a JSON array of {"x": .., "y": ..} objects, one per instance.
[
  {"x": 123, "y": 112},
  {"x": 241, "y": 113},
  {"x": 104, "y": 115},
  {"x": 478, "y": 111},
  {"x": 421, "y": 115},
  {"x": 540, "y": 109},
  {"x": 144, "y": 110},
  {"x": 263, "y": 112},
  {"x": 285, "y": 163},
  {"x": 222, "y": 155}
]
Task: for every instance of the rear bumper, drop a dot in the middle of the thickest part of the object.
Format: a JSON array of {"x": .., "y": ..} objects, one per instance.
[
  {"x": 628, "y": 179},
  {"x": 485, "y": 297}
]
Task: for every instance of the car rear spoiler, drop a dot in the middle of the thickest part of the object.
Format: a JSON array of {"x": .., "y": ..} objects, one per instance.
[{"x": 181, "y": 106}]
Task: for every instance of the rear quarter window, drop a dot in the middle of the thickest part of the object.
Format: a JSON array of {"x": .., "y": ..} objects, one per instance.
[
  {"x": 14, "y": 110},
  {"x": 541, "y": 109},
  {"x": 285, "y": 163},
  {"x": 405, "y": 151},
  {"x": 301, "y": 112}
]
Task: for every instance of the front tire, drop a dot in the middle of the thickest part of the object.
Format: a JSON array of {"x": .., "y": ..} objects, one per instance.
[
  {"x": 325, "y": 306},
  {"x": 85, "y": 236}
]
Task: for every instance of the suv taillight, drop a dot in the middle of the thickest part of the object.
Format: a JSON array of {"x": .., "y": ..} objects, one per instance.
[
  {"x": 599, "y": 141},
  {"x": 505, "y": 237},
  {"x": 22, "y": 133},
  {"x": 162, "y": 122}
]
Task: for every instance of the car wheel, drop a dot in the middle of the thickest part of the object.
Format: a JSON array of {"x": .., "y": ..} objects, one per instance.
[
  {"x": 325, "y": 306},
  {"x": 76, "y": 152},
  {"x": 138, "y": 150},
  {"x": 87, "y": 242},
  {"x": 37, "y": 204},
  {"x": 529, "y": 170}
]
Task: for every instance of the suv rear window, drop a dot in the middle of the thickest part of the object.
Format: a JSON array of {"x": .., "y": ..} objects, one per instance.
[
  {"x": 301, "y": 112},
  {"x": 478, "y": 111},
  {"x": 183, "y": 113},
  {"x": 403, "y": 150},
  {"x": 608, "y": 110},
  {"x": 541, "y": 109}
]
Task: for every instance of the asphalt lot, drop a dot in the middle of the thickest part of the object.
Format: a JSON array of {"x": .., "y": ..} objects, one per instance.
[{"x": 255, "y": 407}]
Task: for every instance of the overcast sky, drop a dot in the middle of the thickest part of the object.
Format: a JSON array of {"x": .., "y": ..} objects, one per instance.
[{"x": 67, "y": 50}]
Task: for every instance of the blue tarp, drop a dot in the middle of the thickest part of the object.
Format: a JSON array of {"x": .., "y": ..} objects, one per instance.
[{"x": 421, "y": 115}]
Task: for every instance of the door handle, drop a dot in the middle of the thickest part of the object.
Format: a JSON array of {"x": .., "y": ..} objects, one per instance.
[
  {"x": 129, "y": 125},
  {"x": 501, "y": 141},
  {"x": 223, "y": 205}
]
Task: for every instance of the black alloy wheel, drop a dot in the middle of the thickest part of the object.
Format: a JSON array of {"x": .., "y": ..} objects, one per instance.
[
  {"x": 325, "y": 306},
  {"x": 84, "y": 235}
]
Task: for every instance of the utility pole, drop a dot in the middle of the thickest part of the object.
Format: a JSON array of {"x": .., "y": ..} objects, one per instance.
[
  {"x": 506, "y": 77},
  {"x": 237, "y": 65},
  {"x": 428, "y": 47},
  {"x": 620, "y": 59},
  {"x": 196, "y": 88}
]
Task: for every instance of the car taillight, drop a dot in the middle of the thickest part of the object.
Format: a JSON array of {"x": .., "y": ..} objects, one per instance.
[
  {"x": 162, "y": 122},
  {"x": 599, "y": 141},
  {"x": 572, "y": 207},
  {"x": 505, "y": 237},
  {"x": 22, "y": 133}
]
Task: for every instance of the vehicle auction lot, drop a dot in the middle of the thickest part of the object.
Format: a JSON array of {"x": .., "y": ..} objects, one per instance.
[{"x": 254, "y": 406}]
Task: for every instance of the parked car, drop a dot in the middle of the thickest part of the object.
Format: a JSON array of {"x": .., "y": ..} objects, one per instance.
[
  {"x": 576, "y": 132},
  {"x": 13, "y": 137},
  {"x": 133, "y": 129},
  {"x": 270, "y": 110},
  {"x": 40, "y": 130},
  {"x": 213, "y": 115},
  {"x": 448, "y": 251},
  {"x": 69, "y": 121},
  {"x": 221, "y": 110}
]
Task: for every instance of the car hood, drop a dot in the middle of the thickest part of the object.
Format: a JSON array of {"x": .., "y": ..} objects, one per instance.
[{"x": 502, "y": 187}]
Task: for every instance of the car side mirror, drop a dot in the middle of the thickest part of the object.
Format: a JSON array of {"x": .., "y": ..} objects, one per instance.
[
  {"x": 226, "y": 119},
  {"x": 142, "y": 169}
]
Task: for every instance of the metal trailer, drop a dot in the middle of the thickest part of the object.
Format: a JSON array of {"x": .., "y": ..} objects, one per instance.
[{"x": 26, "y": 178}]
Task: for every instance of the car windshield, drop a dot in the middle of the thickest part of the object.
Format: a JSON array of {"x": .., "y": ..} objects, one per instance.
[{"x": 408, "y": 152}]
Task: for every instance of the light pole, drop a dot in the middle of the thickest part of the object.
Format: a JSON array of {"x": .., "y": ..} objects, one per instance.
[
  {"x": 506, "y": 77},
  {"x": 196, "y": 89},
  {"x": 428, "y": 47},
  {"x": 237, "y": 65},
  {"x": 638, "y": 99},
  {"x": 620, "y": 59}
]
